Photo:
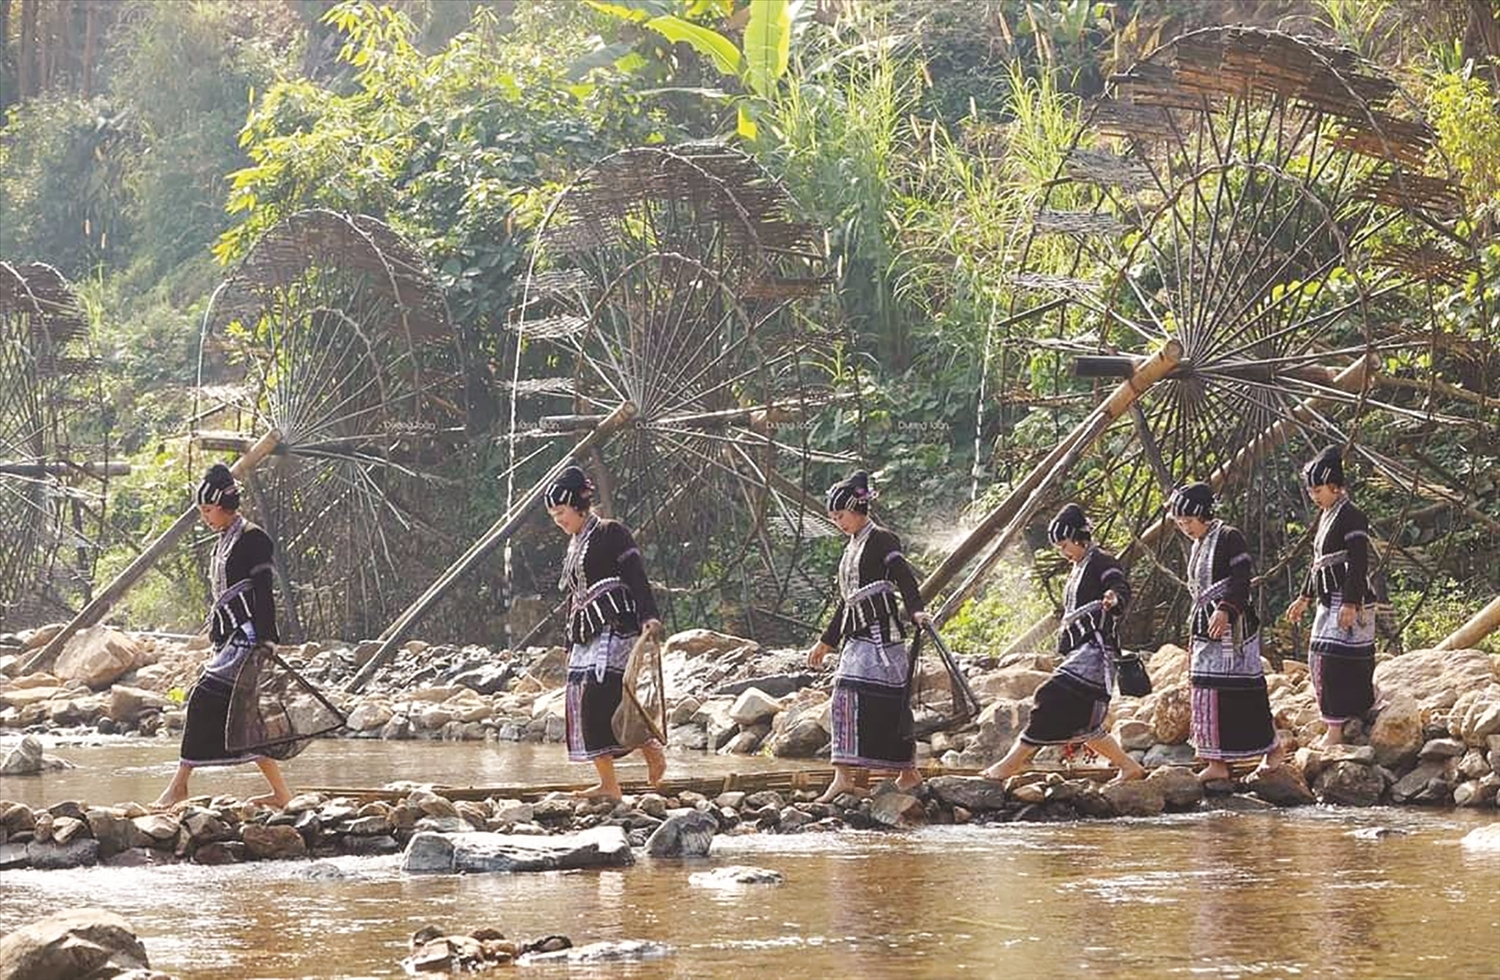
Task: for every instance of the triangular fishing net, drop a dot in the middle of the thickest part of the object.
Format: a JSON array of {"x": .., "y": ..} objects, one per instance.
[
  {"x": 642, "y": 714},
  {"x": 941, "y": 699},
  {"x": 273, "y": 711}
]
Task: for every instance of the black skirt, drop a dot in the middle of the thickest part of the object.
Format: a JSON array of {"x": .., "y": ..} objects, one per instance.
[
  {"x": 207, "y": 718},
  {"x": 1064, "y": 712}
]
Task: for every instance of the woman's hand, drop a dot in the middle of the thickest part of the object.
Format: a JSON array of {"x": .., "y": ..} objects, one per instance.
[
  {"x": 1110, "y": 600},
  {"x": 652, "y": 628},
  {"x": 922, "y": 617},
  {"x": 817, "y": 653},
  {"x": 1347, "y": 616},
  {"x": 1218, "y": 624},
  {"x": 1297, "y": 609}
]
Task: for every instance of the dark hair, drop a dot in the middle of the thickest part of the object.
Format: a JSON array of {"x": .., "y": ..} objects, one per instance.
[
  {"x": 218, "y": 487},
  {"x": 572, "y": 487},
  {"x": 852, "y": 494}
]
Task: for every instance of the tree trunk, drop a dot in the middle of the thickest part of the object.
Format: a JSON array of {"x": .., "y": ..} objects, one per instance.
[
  {"x": 25, "y": 84},
  {"x": 1482, "y": 39},
  {"x": 90, "y": 41},
  {"x": 7, "y": 93}
]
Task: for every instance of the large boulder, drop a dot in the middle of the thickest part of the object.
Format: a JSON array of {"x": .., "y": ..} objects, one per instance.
[
  {"x": 803, "y": 740},
  {"x": 1000, "y": 724},
  {"x": 98, "y": 656},
  {"x": 1436, "y": 678},
  {"x": 1475, "y": 716},
  {"x": 1168, "y": 667},
  {"x": 1180, "y": 787},
  {"x": 1397, "y": 735},
  {"x": 1283, "y": 786},
  {"x": 683, "y": 835},
  {"x": 1172, "y": 718},
  {"x": 970, "y": 792},
  {"x": 697, "y": 643},
  {"x": 28, "y": 759},
  {"x": 127, "y": 704},
  {"x": 753, "y": 706},
  {"x": 1012, "y": 683},
  {"x": 1137, "y": 798},
  {"x": 84, "y": 942},
  {"x": 435, "y": 853},
  {"x": 1350, "y": 784}
]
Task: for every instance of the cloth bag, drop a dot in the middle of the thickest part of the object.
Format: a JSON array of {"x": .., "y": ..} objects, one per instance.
[
  {"x": 1131, "y": 676},
  {"x": 642, "y": 714}
]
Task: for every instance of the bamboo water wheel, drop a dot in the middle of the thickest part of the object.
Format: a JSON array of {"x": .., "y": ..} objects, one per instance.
[
  {"x": 1256, "y": 208},
  {"x": 337, "y": 338},
  {"x": 665, "y": 277},
  {"x": 54, "y": 448}
]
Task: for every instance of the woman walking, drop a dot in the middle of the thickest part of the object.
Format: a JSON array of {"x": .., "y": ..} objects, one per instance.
[
  {"x": 870, "y": 686},
  {"x": 1070, "y": 707},
  {"x": 610, "y": 605},
  {"x": 1231, "y": 708}
]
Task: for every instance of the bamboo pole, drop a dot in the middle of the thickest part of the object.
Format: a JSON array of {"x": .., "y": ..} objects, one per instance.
[
  {"x": 507, "y": 525},
  {"x": 1480, "y": 625},
  {"x": 105, "y": 600},
  {"x": 1012, "y": 513}
]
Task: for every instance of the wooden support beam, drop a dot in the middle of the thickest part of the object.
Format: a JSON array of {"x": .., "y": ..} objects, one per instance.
[
  {"x": 111, "y": 594},
  {"x": 498, "y": 532},
  {"x": 1001, "y": 525},
  {"x": 63, "y": 468},
  {"x": 1480, "y": 625}
]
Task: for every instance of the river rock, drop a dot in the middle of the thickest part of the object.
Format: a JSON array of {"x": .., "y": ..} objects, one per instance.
[
  {"x": 1441, "y": 748},
  {"x": 1138, "y": 798},
  {"x": 970, "y": 792},
  {"x": 159, "y": 829},
  {"x": 98, "y": 656},
  {"x": 752, "y": 706},
  {"x": 1172, "y": 717},
  {"x": 772, "y": 685},
  {"x": 804, "y": 740},
  {"x": 683, "y": 835},
  {"x": 268, "y": 843},
  {"x": 1168, "y": 755},
  {"x": 1180, "y": 787},
  {"x": 1283, "y": 786},
  {"x": 369, "y": 715},
  {"x": 477, "y": 851},
  {"x": 1167, "y": 667},
  {"x": 1000, "y": 724},
  {"x": 1397, "y": 735},
  {"x": 114, "y": 831},
  {"x": 1350, "y": 784},
  {"x": 486, "y": 679},
  {"x": 127, "y": 704},
  {"x": 897, "y": 809},
  {"x": 1013, "y": 684},
  {"x": 734, "y": 876},
  {"x": 1475, "y": 716},
  {"x": 49, "y": 856},
  {"x": 620, "y": 951},
  {"x": 687, "y": 736},
  {"x": 28, "y": 759},
  {"x": 85, "y": 942},
  {"x": 697, "y": 643},
  {"x": 1133, "y": 734},
  {"x": 1436, "y": 678},
  {"x": 1411, "y": 785}
]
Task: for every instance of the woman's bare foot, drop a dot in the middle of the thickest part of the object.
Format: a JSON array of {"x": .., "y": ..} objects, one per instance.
[
  {"x": 270, "y": 799},
  {"x": 908, "y": 779},
  {"x": 1002, "y": 770},
  {"x": 837, "y": 788},
  {"x": 656, "y": 763},
  {"x": 1217, "y": 769},
  {"x": 599, "y": 791},
  {"x": 1333, "y": 736},
  {"x": 1273, "y": 759},
  {"x": 1130, "y": 773},
  {"x": 166, "y": 801}
]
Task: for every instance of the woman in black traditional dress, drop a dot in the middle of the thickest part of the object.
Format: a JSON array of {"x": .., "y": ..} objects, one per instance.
[
  {"x": 870, "y": 687},
  {"x": 1231, "y": 707},
  {"x": 1072, "y": 704},
  {"x": 242, "y": 620},
  {"x": 610, "y": 605},
  {"x": 1341, "y": 657}
]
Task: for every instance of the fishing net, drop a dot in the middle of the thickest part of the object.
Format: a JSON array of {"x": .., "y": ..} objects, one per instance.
[
  {"x": 941, "y": 699},
  {"x": 273, "y": 711},
  {"x": 642, "y": 714}
]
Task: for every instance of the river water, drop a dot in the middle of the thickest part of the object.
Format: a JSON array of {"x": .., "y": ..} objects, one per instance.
[{"x": 1313, "y": 892}]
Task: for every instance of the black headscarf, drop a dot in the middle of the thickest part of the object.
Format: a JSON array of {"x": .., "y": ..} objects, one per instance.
[
  {"x": 218, "y": 487},
  {"x": 572, "y": 487},
  {"x": 1192, "y": 500},
  {"x": 1326, "y": 467},
  {"x": 1070, "y": 524},
  {"x": 852, "y": 494}
]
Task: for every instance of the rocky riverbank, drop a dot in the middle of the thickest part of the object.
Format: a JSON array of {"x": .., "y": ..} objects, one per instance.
[{"x": 1434, "y": 741}]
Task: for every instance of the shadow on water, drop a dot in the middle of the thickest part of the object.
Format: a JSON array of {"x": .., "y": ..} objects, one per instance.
[{"x": 1314, "y": 892}]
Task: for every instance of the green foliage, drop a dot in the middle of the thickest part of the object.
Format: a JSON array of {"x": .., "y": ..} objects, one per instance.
[
  {"x": 1465, "y": 111},
  {"x": 63, "y": 198}
]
